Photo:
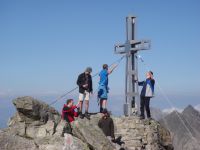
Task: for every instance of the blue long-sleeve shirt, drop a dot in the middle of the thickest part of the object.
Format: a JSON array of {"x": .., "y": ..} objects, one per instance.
[{"x": 103, "y": 78}]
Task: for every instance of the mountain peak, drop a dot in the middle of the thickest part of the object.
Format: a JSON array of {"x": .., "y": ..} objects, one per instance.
[
  {"x": 189, "y": 109},
  {"x": 183, "y": 125}
]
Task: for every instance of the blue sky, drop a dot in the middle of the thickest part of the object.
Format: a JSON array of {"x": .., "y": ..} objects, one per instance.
[{"x": 45, "y": 44}]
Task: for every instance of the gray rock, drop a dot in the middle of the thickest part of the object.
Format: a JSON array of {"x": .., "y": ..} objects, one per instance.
[
  {"x": 30, "y": 110},
  {"x": 14, "y": 142},
  {"x": 185, "y": 128},
  {"x": 138, "y": 134},
  {"x": 30, "y": 129},
  {"x": 72, "y": 142},
  {"x": 37, "y": 126},
  {"x": 90, "y": 133}
]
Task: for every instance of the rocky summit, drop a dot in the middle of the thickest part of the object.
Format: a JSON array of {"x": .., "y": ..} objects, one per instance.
[{"x": 37, "y": 126}]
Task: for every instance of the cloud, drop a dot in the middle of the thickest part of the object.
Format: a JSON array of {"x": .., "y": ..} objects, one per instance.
[
  {"x": 197, "y": 107},
  {"x": 170, "y": 110}
]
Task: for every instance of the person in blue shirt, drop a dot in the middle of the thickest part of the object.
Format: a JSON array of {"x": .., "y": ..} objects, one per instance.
[
  {"x": 146, "y": 94},
  {"x": 103, "y": 85}
]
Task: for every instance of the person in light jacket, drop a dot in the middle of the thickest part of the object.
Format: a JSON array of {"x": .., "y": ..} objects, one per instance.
[{"x": 146, "y": 94}]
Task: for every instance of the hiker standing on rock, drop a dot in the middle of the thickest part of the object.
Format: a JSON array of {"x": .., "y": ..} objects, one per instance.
[
  {"x": 68, "y": 114},
  {"x": 146, "y": 94},
  {"x": 84, "y": 82},
  {"x": 103, "y": 85}
]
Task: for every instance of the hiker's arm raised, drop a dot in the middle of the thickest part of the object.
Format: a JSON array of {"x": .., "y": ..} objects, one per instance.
[{"x": 110, "y": 70}]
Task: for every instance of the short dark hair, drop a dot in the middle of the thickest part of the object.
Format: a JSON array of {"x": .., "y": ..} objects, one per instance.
[
  {"x": 69, "y": 101},
  {"x": 105, "y": 66},
  {"x": 151, "y": 72}
]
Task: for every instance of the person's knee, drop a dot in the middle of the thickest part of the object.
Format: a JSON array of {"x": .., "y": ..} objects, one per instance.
[
  {"x": 86, "y": 102},
  {"x": 104, "y": 102}
]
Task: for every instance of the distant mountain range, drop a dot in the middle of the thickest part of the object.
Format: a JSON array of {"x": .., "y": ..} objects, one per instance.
[{"x": 184, "y": 128}]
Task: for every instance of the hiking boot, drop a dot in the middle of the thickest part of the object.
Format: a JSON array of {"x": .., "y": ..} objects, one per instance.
[
  {"x": 149, "y": 118},
  {"x": 87, "y": 115},
  {"x": 81, "y": 116},
  {"x": 101, "y": 110},
  {"x": 142, "y": 117},
  {"x": 118, "y": 140}
]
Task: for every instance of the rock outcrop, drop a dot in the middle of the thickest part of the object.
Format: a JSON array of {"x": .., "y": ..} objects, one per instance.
[
  {"x": 146, "y": 134},
  {"x": 37, "y": 126},
  {"x": 185, "y": 128},
  {"x": 89, "y": 132}
]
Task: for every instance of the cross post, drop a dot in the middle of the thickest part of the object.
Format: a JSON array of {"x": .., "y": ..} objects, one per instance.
[{"x": 130, "y": 49}]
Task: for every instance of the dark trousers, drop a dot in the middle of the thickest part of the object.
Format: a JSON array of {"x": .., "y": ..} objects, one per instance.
[
  {"x": 67, "y": 129},
  {"x": 144, "y": 104}
]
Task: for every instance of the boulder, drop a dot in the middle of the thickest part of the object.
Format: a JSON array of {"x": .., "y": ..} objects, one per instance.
[
  {"x": 30, "y": 110},
  {"x": 90, "y": 133},
  {"x": 33, "y": 118},
  {"x": 12, "y": 142},
  {"x": 38, "y": 126}
]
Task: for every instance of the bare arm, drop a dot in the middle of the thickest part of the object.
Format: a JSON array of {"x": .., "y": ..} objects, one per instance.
[{"x": 112, "y": 68}]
